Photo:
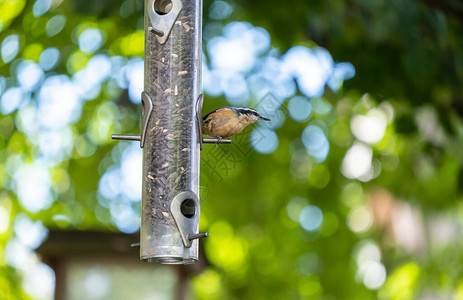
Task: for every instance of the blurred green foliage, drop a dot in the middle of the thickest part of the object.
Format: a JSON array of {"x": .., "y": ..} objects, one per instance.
[{"x": 405, "y": 219}]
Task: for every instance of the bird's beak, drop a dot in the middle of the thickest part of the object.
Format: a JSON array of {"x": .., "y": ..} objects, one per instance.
[{"x": 265, "y": 119}]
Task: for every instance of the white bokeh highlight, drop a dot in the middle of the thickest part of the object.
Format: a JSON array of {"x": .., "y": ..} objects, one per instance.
[
  {"x": 33, "y": 186},
  {"x": 371, "y": 127},
  {"x": 357, "y": 163},
  {"x": 370, "y": 270}
]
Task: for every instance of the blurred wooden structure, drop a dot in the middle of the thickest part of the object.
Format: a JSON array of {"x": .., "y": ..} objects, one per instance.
[{"x": 99, "y": 247}]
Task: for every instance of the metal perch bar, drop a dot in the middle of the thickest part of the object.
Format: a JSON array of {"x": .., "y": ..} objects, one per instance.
[
  {"x": 216, "y": 141},
  {"x": 126, "y": 137},
  {"x": 135, "y": 245},
  {"x": 198, "y": 235}
]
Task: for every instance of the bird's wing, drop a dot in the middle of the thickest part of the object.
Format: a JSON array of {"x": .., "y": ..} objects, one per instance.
[{"x": 230, "y": 109}]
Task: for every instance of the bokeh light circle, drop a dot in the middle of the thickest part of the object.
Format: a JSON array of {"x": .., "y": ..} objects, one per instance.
[
  {"x": 264, "y": 140},
  {"x": 311, "y": 217},
  {"x": 299, "y": 108}
]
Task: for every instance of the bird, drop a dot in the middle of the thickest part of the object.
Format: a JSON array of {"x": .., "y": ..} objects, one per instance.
[{"x": 227, "y": 121}]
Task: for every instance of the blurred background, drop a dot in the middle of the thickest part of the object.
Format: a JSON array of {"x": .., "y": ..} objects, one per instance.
[{"x": 353, "y": 191}]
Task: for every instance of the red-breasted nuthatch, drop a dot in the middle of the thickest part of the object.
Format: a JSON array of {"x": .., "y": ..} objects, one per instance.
[{"x": 227, "y": 121}]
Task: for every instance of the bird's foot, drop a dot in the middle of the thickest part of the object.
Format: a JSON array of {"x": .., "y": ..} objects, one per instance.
[{"x": 219, "y": 138}]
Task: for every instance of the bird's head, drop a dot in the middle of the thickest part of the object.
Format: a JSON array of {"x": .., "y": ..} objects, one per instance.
[{"x": 249, "y": 115}]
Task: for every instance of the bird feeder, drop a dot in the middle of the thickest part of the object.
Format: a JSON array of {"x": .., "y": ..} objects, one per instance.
[{"x": 171, "y": 135}]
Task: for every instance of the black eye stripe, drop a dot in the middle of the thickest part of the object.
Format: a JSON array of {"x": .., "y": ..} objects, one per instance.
[{"x": 248, "y": 111}]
